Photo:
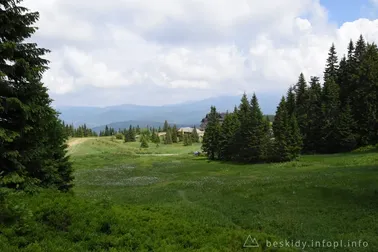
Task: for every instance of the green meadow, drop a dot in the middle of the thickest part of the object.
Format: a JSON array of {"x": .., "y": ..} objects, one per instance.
[
  {"x": 320, "y": 197},
  {"x": 165, "y": 199}
]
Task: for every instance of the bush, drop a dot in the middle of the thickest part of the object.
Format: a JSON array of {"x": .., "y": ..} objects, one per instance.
[{"x": 119, "y": 136}]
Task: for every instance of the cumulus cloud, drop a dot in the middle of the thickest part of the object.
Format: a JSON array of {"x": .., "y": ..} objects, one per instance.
[{"x": 136, "y": 51}]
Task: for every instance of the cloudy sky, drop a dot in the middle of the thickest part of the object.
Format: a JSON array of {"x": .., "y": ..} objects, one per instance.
[{"x": 169, "y": 51}]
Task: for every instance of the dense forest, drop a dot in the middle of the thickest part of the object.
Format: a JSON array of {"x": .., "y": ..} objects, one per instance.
[{"x": 337, "y": 116}]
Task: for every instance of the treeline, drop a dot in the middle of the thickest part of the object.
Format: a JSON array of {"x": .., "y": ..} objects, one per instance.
[
  {"x": 81, "y": 131},
  {"x": 172, "y": 135},
  {"x": 337, "y": 116}
]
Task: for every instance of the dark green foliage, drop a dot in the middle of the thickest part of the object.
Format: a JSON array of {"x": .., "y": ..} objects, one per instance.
[
  {"x": 119, "y": 136},
  {"x": 312, "y": 142},
  {"x": 194, "y": 135},
  {"x": 295, "y": 138},
  {"x": 174, "y": 134},
  {"x": 166, "y": 125},
  {"x": 229, "y": 129},
  {"x": 331, "y": 70},
  {"x": 210, "y": 143},
  {"x": 144, "y": 141},
  {"x": 187, "y": 139},
  {"x": 130, "y": 135},
  {"x": 81, "y": 131},
  {"x": 290, "y": 101},
  {"x": 32, "y": 138},
  {"x": 168, "y": 137},
  {"x": 302, "y": 105},
  {"x": 281, "y": 149},
  {"x": 330, "y": 111},
  {"x": 257, "y": 138}
]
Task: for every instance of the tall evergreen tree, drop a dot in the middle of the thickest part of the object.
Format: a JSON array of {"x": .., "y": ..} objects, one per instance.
[
  {"x": 345, "y": 137},
  {"x": 194, "y": 135},
  {"x": 257, "y": 137},
  {"x": 302, "y": 105},
  {"x": 290, "y": 101},
  {"x": 243, "y": 134},
  {"x": 166, "y": 126},
  {"x": 281, "y": 150},
  {"x": 210, "y": 143},
  {"x": 314, "y": 114},
  {"x": 295, "y": 138},
  {"x": 330, "y": 110},
  {"x": 32, "y": 139},
  {"x": 174, "y": 134},
  {"x": 168, "y": 137},
  {"x": 331, "y": 70},
  {"x": 229, "y": 128}
]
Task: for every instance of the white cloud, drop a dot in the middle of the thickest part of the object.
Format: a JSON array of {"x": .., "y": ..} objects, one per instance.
[{"x": 177, "y": 50}]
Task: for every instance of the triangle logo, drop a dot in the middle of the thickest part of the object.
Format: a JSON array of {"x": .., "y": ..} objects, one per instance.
[{"x": 251, "y": 242}]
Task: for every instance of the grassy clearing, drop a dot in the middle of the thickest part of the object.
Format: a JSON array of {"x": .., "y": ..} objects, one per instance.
[{"x": 331, "y": 197}]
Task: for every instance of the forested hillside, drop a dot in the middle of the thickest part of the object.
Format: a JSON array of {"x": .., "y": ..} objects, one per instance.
[{"x": 337, "y": 115}]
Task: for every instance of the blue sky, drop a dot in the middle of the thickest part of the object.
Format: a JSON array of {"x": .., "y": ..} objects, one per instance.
[
  {"x": 341, "y": 11},
  {"x": 134, "y": 51}
]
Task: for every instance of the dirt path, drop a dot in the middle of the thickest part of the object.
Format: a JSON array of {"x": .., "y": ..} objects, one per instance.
[
  {"x": 157, "y": 155},
  {"x": 76, "y": 141}
]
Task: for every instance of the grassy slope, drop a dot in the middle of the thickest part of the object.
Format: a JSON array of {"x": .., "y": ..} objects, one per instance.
[{"x": 329, "y": 197}]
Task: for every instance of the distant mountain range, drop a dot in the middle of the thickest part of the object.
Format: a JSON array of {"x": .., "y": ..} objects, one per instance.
[
  {"x": 141, "y": 124},
  {"x": 184, "y": 114}
]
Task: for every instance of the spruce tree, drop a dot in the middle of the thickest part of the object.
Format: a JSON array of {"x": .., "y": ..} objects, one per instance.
[
  {"x": 194, "y": 135},
  {"x": 312, "y": 143},
  {"x": 331, "y": 70},
  {"x": 302, "y": 105},
  {"x": 168, "y": 137},
  {"x": 210, "y": 143},
  {"x": 295, "y": 138},
  {"x": 290, "y": 101},
  {"x": 185, "y": 140},
  {"x": 166, "y": 125},
  {"x": 345, "y": 137},
  {"x": 281, "y": 150},
  {"x": 368, "y": 93},
  {"x": 143, "y": 141},
  {"x": 32, "y": 139},
  {"x": 243, "y": 135},
  {"x": 257, "y": 134},
  {"x": 174, "y": 134},
  {"x": 330, "y": 110}
]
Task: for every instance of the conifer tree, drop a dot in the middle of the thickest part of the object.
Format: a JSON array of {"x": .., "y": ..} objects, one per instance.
[
  {"x": 228, "y": 131},
  {"x": 32, "y": 139},
  {"x": 194, "y": 135},
  {"x": 314, "y": 133},
  {"x": 295, "y": 138},
  {"x": 168, "y": 137},
  {"x": 368, "y": 105},
  {"x": 345, "y": 137},
  {"x": 281, "y": 150},
  {"x": 210, "y": 143},
  {"x": 290, "y": 101},
  {"x": 302, "y": 105},
  {"x": 331, "y": 70},
  {"x": 174, "y": 134},
  {"x": 131, "y": 134},
  {"x": 330, "y": 110},
  {"x": 258, "y": 132},
  {"x": 166, "y": 126},
  {"x": 241, "y": 143},
  {"x": 143, "y": 141}
]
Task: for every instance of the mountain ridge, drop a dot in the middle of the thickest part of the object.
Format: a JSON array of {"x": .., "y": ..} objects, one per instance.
[{"x": 186, "y": 113}]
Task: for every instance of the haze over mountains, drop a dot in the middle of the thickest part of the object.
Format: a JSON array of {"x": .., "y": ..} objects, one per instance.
[{"x": 188, "y": 113}]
